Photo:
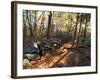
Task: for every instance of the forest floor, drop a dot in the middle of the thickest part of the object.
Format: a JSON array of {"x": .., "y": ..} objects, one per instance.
[{"x": 65, "y": 56}]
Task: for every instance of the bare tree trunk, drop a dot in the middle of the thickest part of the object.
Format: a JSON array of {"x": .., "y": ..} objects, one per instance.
[
  {"x": 85, "y": 30},
  {"x": 35, "y": 21},
  {"x": 75, "y": 32},
  {"x": 30, "y": 26},
  {"x": 24, "y": 33},
  {"x": 49, "y": 25},
  {"x": 79, "y": 29},
  {"x": 42, "y": 26}
]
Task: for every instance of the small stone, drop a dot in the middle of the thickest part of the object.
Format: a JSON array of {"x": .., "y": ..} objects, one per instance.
[{"x": 25, "y": 61}]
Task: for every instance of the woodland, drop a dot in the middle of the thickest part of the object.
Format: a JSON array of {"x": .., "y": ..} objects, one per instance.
[{"x": 56, "y": 39}]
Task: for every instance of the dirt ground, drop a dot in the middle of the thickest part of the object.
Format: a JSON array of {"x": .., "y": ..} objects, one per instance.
[{"x": 65, "y": 56}]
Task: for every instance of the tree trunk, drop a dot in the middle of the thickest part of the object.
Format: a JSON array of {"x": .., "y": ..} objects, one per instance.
[
  {"x": 75, "y": 32},
  {"x": 30, "y": 26},
  {"x": 35, "y": 21},
  {"x": 24, "y": 33},
  {"x": 49, "y": 26},
  {"x": 85, "y": 30},
  {"x": 79, "y": 29}
]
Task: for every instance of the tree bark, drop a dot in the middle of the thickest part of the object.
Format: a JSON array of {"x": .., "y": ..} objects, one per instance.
[
  {"x": 35, "y": 21},
  {"x": 49, "y": 25},
  {"x": 75, "y": 32},
  {"x": 30, "y": 26},
  {"x": 79, "y": 29},
  {"x": 85, "y": 30}
]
